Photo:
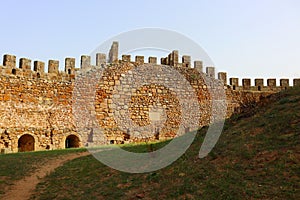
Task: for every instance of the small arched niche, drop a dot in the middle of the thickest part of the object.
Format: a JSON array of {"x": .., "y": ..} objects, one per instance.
[
  {"x": 26, "y": 143},
  {"x": 72, "y": 141}
]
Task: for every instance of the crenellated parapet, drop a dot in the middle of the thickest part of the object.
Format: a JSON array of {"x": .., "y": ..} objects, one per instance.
[
  {"x": 51, "y": 70},
  {"x": 37, "y": 70},
  {"x": 259, "y": 84}
]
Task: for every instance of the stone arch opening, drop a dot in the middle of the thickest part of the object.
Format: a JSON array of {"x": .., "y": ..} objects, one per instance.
[
  {"x": 26, "y": 143},
  {"x": 72, "y": 141},
  {"x": 38, "y": 75},
  {"x": 69, "y": 71},
  {"x": 14, "y": 71}
]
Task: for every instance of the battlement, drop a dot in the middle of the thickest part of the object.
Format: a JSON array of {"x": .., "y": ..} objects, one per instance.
[
  {"x": 52, "y": 72},
  {"x": 259, "y": 84},
  {"x": 25, "y": 68}
]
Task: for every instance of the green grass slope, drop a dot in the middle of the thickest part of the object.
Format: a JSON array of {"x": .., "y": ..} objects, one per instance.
[
  {"x": 16, "y": 166},
  {"x": 256, "y": 157}
]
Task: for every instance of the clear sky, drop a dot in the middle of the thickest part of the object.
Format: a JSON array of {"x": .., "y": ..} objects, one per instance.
[{"x": 245, "y": 38}]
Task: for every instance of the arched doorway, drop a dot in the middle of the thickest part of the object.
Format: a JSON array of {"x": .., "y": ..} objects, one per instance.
[
  {"x": 26, "y": 143},
  {"x": 72, "y": 141}
]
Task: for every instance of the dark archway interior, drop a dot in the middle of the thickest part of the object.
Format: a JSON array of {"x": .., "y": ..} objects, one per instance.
[
  {"x": 26, "y": 143},
  {"x": 72, "y": 141}
]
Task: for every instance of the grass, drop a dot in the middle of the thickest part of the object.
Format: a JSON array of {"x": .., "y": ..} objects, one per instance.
[
  {"x": 256, "y": 157},
  {"x": 16, "y": 166},
  {"x": 144, "y": 147}
]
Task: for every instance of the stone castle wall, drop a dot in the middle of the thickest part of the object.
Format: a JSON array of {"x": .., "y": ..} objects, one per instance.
[{"x": 40, "y": 105}]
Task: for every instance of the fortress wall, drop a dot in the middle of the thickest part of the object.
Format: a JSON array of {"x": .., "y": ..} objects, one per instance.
[
  {"x": 39, "y": 103},
  {"x": 238, "y": 96},
  {"x": 37, "y": 107},
  {"x": 143, "y": 100}
]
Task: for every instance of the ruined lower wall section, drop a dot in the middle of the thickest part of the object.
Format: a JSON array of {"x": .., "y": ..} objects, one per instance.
[{"x": 40, "y": 108}]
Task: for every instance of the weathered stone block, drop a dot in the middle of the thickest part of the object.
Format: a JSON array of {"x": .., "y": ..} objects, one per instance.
[
  {"x": 198, "y": 65},
  {"x": 100, "y": 59},
  {"x": 173, "y": 58},
  {"x": 53, "y": 66},
  {"x": 284, "y": 83},
  {"x": 246, "y": 83},
  {"x": 234, "y": 82},
  {"x": 85, "y": 61},
  {"x": 126, "y": 58},
  {"x": 139, "y": 59},
  {"x": 9, "y": 60},
  {"x": 296, "y": 82},
  {"x": 210, "y": 71},
  {"x": 259, "y": 83},
  {"x": 39, "y": 66},
  {"x": 223, "y": 77},
  {"x": 152, "y": 60},
  {"x": 271, "y": 82},
  {"x": 70, "y": 66},
  {"x": 25, "y": 64},
  {"x": 186, "y": 61},
  {"x": 114, "y": 52}
]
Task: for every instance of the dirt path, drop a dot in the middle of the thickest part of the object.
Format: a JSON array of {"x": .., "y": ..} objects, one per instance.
[{"x": 22, "y": 189}]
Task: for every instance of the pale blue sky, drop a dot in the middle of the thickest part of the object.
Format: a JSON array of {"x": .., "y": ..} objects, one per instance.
[{"x": 253, "y": 38}]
